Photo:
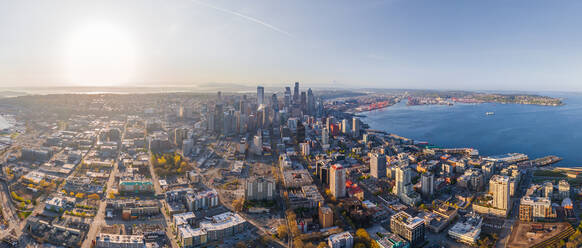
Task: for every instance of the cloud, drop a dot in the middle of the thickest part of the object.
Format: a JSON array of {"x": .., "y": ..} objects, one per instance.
[{"x": 246, "y": 17}]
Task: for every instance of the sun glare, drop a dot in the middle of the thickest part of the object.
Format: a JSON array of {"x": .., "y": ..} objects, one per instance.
[{"x": 100, "y": 54}]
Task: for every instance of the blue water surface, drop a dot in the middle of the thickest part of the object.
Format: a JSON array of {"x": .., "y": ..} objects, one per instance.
[{"x": 534, "y": 130}]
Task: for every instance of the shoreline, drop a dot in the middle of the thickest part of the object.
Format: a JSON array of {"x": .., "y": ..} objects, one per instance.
[{"x": 558, "y": 164}]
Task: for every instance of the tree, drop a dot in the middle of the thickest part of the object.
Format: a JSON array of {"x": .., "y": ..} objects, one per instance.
[
  {"x": 309, "y": 245},
  {"x": 364, "y": 236},
  {"x": 240, "y": 244},
  {"x": 282, "y": 231},
  {"x": 360, "y": 245},
  {"x": 298, "y": 243},
  {"x": 93, "y": 196},
  {"x": 238, "y": 204}
]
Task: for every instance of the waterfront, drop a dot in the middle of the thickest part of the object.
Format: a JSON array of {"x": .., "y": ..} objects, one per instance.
[{"x": 534, "y": 130}]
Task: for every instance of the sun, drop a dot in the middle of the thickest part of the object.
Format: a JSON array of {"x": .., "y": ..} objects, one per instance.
[{"x": 100, "y": 54}]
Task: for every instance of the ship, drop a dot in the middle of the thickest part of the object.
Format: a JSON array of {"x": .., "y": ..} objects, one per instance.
[{"x": 489, "y": 113}]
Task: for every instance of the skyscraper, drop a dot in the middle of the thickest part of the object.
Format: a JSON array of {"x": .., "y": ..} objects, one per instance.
[
  {"x": 300, "y": 132},
  {"x": 427, "y": 184},
  {"x": 337, "y": 181},
  {"x": 287, "y": 97},
  {"x": 310, "y": 102},
  {"x": 260, "y": 95},
  {"x": 218, "y": 117},
  {"x": 296, "y": 93},
  {"x": 346, "y": 127},
  {"x": 324, "y": 136},
  {"x": 499, "y": 187},
  {"x": 378, "y": 165},
  {"x": 355, "y": 127},
  {"x": 328, "y": 121},
  {"x": 242, "y": 106},
  {"x": 275, "y": 103},
  {"x": 303, "y": 101}
]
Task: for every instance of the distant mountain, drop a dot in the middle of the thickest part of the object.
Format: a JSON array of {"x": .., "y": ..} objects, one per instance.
[{"x": 9, "y": 93}]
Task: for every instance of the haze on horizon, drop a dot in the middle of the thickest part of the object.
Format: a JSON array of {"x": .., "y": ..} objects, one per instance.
[{"x": 468, "y": 45}]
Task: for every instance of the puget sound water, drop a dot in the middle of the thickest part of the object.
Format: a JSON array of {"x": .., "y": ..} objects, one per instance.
[{"x": 534, "y": 130}]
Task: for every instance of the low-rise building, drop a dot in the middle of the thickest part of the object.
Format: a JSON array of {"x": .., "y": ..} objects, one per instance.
[
  {"x": 467, "y": 231},
  {"x": 135, "y": 187},
  {"x": 104, "y": 240},
  {"x": 390, "y": 240},
  {"x": 296, "y": 178},
  {"x": 183, "y": 219},
  {"x": 216, "y": 228}
]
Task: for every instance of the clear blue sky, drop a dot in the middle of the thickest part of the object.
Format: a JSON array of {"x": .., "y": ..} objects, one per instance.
[{"x": 489, "y": 45}]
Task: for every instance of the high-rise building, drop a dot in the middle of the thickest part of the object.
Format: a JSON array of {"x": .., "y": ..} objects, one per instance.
[
  {"x": 296, "y": 93},
  {"x": 534, "y": 208},
  {"x": 356, "y": 127},
  {"x": 337, "y": 181},
  {"x": 323, "y": 172},
  {"x": 180, "y": 134},
  {"x": 260, "y": 95},
  {"x": 403, "y": 188},
  {"x": 325, "y": 136},
  {"x": 325, "y": 217},
  {"x": 346, "y": 127},
  {"x": 303, "y": 101},
  {"x": 499, "y": 187},
  {"x": 287, "y": 97},
  {"x": 243, "y": 106},
  {"x": 275, "y": 103},
  {"x": 410, "y": 228},
  {"x": 260, "y": 188},
  {"x": 300, "y": 132},
  {"x": 427, "y": 184},
  {"x": 329, "y": 121},
  {"x": 310, "y": 102},
  {"x": 563, "y": 189},
  {"x": 378, "y": 165},
  {"x": 305, "y": 149},
  {"x": 218, "y": 118},
  {"x": 219, "y": 96},
  {"x": 548, "y": 189}
]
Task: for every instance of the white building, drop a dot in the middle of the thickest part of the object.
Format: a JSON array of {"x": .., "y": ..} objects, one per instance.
[
  {"x": 337, "y": 181},
  {"x": 499, "y": 188},
  {"x": 467, "y": 231},
  {"x": 341, "y": 240},
  {"x": 104, "y": 240},
  {"x": 305, "y": 149}
]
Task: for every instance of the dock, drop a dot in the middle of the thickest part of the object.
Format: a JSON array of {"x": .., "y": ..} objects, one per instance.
[{"x": 539, "y": 162}]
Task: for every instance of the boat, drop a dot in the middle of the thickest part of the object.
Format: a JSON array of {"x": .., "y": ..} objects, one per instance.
[{"x": 489, "y": 113}]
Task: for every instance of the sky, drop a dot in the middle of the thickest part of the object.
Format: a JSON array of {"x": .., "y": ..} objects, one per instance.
[{"x": 467, "y": 45}]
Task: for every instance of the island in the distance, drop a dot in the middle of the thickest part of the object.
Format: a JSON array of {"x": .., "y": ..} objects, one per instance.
[{"x": 376, "y": 99}]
